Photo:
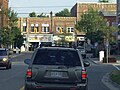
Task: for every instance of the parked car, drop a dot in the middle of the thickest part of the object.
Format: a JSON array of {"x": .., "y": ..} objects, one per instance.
[
  {"x": 56, "y": 68},
  {"x": 4, "y": 58}
]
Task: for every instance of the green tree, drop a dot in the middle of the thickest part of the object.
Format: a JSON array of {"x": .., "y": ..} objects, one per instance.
[
  {"x": 42, "y": 15},
  {"x": 10, "y": 33},
  {"x": 12, "y": 17},
  {"x": 63, "y": 13},
  {"x": 33, "y": 14},
  {"x": 6, "y": 37},
  {"x": 95, "y": 26},
  {"x": 103, "y": 1},
  {"x": 18, "y": 38}
]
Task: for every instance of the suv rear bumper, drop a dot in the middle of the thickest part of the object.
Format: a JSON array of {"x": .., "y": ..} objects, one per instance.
[{"x": 32, "y": 86}]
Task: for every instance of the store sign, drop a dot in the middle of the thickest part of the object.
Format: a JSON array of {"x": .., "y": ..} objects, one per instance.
[
  {"x": 41, "y": 38},
  {"x": 69, "y": 38},
  {"x": 46, "y": 38}
]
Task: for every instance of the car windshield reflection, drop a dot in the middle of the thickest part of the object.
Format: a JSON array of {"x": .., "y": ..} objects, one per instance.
[
  {"x": 53, "y": 57},
  {"x": 3, "y": 53}
]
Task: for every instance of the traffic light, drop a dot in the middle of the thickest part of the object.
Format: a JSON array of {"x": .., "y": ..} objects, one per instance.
[
  {"x": 35, "y": 30},
  {"x": 60, "y": 29}
]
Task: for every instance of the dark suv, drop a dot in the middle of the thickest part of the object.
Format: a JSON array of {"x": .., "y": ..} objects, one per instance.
[
  {"x": 4, "y": 58},
  {"x": 56, "y": 68}
]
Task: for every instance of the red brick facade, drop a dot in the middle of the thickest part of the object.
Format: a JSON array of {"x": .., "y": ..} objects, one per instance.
[
  {"x": 63, "y": 22},
  {"x": 3, "y": 18},
  {"x": 79, "y": 8}
]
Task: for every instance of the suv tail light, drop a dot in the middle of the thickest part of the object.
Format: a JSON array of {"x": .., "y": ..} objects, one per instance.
[
  {"x": 29, "y": 73},
  {"x": 84, "y": 74}
]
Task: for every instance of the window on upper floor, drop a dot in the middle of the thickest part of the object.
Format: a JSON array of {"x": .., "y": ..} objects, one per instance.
[
  {"x": 24, "y": 27},
  {"x": 70, "y": 30},
  {"x": 45, "y": 29},
  {"x": 32, "y": 28}
]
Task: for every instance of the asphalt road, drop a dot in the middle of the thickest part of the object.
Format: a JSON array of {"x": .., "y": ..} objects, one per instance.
[
  {"x": 13, "y": 79},
  {"x": 96, "y": 74}
]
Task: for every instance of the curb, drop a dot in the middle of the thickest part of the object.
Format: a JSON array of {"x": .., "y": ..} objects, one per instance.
[
  {"x": 106, "y": 78},
  {"x": 109, "y": 83},
  {"x": 99, "y": 62}
]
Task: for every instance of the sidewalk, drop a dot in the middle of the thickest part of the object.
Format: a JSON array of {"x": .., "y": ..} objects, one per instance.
[
  {"x": 15, "y": 55},
  {"x": 97, "y": 61},
  {"x": 106, "y": 78}
]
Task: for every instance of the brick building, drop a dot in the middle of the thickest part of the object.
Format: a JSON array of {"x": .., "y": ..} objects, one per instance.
[
  {"x": 3, "y": 18},
  {"x": 110, "y": 16},
  {"x": 38, "y": 30},
  {"x": 79, "y": 8}
]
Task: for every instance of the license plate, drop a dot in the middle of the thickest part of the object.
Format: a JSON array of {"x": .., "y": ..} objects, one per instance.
[{"x": 56, "y": 74}]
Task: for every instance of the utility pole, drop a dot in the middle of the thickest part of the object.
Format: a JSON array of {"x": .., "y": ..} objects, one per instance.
[
  {"x": 27, "y": 35},
  {"x": 117, "y": 23},
  {"x": 51, "y": 20}
]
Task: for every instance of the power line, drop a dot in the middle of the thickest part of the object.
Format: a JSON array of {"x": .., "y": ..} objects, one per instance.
[
  {"x": 35, "y": 13},
  {"x": 41, "y": 7}
]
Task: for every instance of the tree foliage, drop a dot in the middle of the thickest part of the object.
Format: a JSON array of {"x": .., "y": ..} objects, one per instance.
[
  {"x": 42, "y": 15},
  {"x": 32, "y": 14},
  {"x": 95, "y": 26},
  {"x": 6, "y": 36},
  {"x": 63, "y": 13},
  {"x": 12, "y": 17},
  {"x": 18, "y": 38},
  {"x": 11, "y": 33}
]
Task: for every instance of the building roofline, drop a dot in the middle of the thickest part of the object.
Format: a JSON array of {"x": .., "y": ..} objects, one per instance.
[{"x": 78, "y": 2}]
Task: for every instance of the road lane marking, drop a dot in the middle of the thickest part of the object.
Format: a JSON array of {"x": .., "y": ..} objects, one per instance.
[
  {"x": 22, "y": 88},
  {"x": 116, "y": 67}
]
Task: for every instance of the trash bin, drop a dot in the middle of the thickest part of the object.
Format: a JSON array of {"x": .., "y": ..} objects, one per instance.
[
  {"x": 101, "y": 55},
  {"x": 17, "y": 50}
]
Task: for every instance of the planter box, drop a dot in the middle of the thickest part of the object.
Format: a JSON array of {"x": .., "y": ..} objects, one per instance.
[{"x": 110, "y": 60}]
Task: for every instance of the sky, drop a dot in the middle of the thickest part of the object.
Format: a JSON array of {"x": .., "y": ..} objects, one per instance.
[{"x": 23, "y": 7}]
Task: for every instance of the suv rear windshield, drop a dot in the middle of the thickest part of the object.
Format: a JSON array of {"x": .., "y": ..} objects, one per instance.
[
  {"x": 3, "y": 52},
  {"x": 57, "y": 57}
]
